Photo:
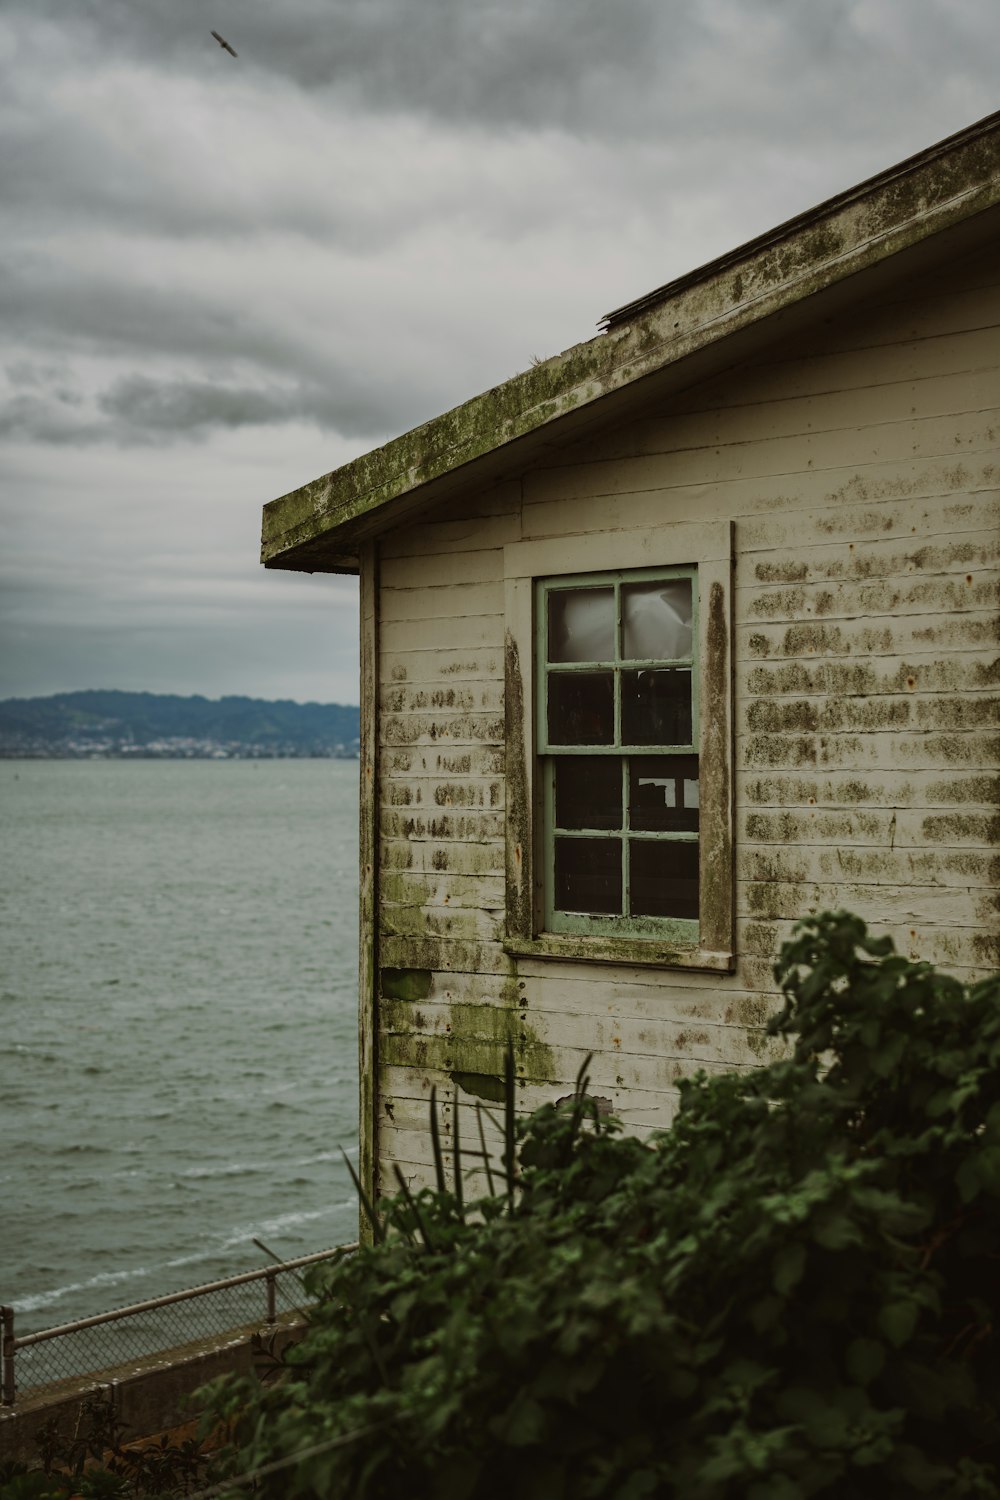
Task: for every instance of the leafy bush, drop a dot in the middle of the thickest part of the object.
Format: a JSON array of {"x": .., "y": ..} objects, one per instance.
[
  {"x": 791, "y": 1293},
  {"x": 96, "y": 1462}
]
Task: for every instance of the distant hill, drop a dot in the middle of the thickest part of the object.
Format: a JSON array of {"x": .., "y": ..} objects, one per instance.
[{"x": 161, "y": 724}]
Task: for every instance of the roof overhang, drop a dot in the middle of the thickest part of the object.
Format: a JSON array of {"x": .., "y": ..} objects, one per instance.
[{"x": 673, "y": 337}]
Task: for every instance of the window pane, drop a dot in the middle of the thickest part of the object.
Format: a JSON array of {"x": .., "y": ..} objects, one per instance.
[
  {"x": 581, "y": 708},
  {"x": 582, "y": 625},
  {"x": 663, "y": 793},
  {"x": 656, "y": 706},
  {"x": 656, "y": 620},
  {"x": 589, "y": 876},
  {"x": 589, "y": 792},
  {"x": 663, "y": 878}
]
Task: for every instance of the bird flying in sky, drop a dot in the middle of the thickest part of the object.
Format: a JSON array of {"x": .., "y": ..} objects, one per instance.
[{"x": 224, "y": 44}]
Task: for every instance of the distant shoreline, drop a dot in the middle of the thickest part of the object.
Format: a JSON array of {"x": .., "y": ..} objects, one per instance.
[
  {"x": 142, "y": 752},
  {"x": 113, "y": 725}
]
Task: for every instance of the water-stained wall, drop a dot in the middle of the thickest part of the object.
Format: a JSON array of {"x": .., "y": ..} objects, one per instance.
[{"x": 860, "y": 465}]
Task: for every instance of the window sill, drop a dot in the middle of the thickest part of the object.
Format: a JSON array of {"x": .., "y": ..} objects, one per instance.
[{"x": 630, "y": 952}]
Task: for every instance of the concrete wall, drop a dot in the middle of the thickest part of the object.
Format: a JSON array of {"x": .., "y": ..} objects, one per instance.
[{"x": 149, "y": 1396}]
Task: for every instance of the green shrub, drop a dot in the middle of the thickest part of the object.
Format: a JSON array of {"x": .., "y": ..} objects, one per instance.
[
  {"x": 96, "y": 1461},
  {"x": 792, "y": 1292}
]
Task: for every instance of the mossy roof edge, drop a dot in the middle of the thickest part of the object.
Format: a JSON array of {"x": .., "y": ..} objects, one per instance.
[
  {"x": 917, "y": 163},
  {"x": 924, "y": 195}
]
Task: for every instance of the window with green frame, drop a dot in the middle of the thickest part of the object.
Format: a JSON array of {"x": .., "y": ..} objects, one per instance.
[{"x": 617, "y": 743}]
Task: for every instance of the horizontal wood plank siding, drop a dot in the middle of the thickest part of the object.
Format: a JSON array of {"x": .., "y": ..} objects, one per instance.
[{"x": 861, "y": 467}]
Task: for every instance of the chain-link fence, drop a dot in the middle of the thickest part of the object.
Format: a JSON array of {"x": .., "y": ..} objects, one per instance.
[{"x": 93, "y": 1346}]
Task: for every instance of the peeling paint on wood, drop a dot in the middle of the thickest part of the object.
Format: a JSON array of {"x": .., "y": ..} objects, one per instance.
[
  {"x": 962, "y": 672},
  {"x": 862, "y": 481},
  {"x": 477, "y": 827},
  {"x": 463, "y": 729}
]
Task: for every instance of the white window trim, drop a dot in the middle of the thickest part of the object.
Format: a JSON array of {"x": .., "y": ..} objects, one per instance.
[{"x": 708, "y": 547}]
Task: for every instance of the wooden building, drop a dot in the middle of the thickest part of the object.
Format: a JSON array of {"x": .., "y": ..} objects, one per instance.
[{"x": 671, "y": 640}]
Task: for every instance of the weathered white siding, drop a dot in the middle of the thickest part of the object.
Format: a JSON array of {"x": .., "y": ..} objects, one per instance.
[{"x": 861, "y": 466}]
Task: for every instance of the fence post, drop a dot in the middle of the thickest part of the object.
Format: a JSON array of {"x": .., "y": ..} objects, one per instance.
[
  {"x": 8, "y": 1389},
  {"x": 272, "y": 1304}
]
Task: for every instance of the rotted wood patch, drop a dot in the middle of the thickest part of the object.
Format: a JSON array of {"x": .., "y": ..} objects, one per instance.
[
  {"x": 475, "y": 1055},
  {"x": 441, "y": 954}
]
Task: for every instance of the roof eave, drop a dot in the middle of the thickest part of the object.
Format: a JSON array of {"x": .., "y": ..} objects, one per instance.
[{"x": 317, "y": 527}]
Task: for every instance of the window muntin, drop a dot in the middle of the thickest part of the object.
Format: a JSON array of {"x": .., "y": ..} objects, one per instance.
[{"x": 617, "y": 717}]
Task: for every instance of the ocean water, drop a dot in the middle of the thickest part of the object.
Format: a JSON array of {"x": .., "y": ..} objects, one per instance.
[{"x": 178, "y": 1023}]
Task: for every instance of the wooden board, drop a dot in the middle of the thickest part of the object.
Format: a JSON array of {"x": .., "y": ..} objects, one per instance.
[{"x": 860, "y": 466}]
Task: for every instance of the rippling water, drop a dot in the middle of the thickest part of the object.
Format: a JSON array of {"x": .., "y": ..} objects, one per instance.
[{"x": 178, "y": 1032}]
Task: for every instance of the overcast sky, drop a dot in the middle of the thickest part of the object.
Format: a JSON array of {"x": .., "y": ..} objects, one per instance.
[{"x": 222, "y": 277}]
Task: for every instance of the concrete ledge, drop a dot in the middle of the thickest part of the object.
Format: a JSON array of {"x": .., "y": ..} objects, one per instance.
[{"x": 150, "y": 1395}]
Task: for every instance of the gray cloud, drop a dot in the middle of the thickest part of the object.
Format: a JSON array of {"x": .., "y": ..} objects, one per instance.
[
  {"x": 587, "y": 66},
  {"x": 140, "y": 408},
  {"x": 527, "y": 62},
  {"x": 185, "y": 406},
  {"x": 45, "y": 419},
  {"x": 220, "y": 277},
  {"x": 137, "y": 409}
]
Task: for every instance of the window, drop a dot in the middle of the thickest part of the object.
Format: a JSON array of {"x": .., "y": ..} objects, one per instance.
[
  {"x": 617, "y": 705},
  {"x": 619, "y": 754}
]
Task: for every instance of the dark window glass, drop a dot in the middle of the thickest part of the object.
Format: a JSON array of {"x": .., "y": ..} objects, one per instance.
[
  {"x": 656, "y": 620},
  {"x": 589, "y": 876},
  {"x": 663, "y": 878},
  {"x": 656, "y": 706},
  {"x": 663, "y": 793},
  {"x": 589, "y": 791},
  {"x": 581, "y": 708},
  {"x": 582, "y": 625}
]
